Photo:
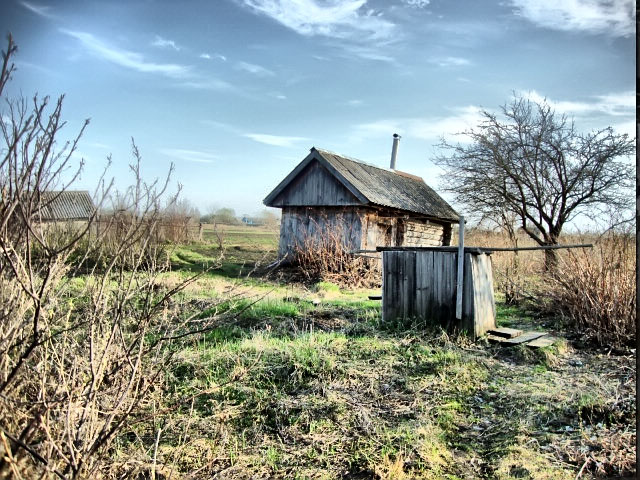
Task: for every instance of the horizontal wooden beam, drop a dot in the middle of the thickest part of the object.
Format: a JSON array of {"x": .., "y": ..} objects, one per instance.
[{"x": 481, "y": 249}]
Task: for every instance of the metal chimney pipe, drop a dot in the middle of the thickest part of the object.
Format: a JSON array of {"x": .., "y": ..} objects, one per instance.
[{"x": 394, "y": 150}]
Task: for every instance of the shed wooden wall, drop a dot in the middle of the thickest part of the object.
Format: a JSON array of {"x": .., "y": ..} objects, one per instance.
[
  {"x": 422, "y": 284},
  {"x": 315, "y": 186},
  {"x": 402, "y": 231},
  {"x": 360, "y": 228},
  {"x": 300, "y": 225}
]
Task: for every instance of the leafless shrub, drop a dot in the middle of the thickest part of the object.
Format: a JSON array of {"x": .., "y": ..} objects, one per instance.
[
  {"x": 595, "y": 290},
  {"x": 323, "y": 253},
  {"x": 515, "y": 273},
  {"x": 81, "y": 349}
]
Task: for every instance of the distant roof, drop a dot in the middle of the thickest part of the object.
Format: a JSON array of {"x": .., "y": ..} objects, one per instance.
[
  {"x": 376, "y": 186},
  {"x": 66, "y": 205}
]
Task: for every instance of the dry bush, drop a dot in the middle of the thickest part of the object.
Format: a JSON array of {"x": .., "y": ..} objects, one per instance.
[
  {"x": 82, "y": 353},
  {"x": 595, "y": 290},
  {"x": 515, "y": 273},
  {"x": 323, "y": 253},
  {"x": 173, "y": 225}
]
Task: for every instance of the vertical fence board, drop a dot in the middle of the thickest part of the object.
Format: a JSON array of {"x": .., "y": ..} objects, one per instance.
[
  {"x": 424, "y": 285},
  {"x": 484, "y": 302},
  {"x": 408, "y": 284},
  {"x": 468, "y": 300}
]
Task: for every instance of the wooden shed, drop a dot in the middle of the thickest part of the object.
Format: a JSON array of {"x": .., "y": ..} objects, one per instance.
[
  {"x": 421, "y": 283},
  {"x": 369, "y": 206}
]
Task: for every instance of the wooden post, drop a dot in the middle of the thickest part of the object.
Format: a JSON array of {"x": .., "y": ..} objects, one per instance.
[{"x": 460, "y": 277}]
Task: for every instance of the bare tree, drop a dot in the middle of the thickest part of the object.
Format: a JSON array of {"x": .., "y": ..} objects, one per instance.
[
  {"x": 534, "y": 164},
  {"x": 83, "y": 318}
]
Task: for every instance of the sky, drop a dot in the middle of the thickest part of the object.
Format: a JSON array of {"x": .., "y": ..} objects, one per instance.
[{"x": 234, "y": 93}]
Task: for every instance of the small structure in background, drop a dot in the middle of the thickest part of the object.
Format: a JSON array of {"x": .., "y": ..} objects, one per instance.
[
  {"x": 65, "y": 205},
  {"x": 251, "y": 221},
  {"x": 369, "y": 206}
]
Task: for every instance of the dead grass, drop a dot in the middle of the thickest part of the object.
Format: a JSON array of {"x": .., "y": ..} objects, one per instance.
[
  {"x": 323, "y": 255},
  {"x": 594, "y": 290},
  {"x": 297, "y": 396}
]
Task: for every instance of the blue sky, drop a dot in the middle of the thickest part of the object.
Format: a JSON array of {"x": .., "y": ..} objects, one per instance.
[{"x": 236, "y": 92}]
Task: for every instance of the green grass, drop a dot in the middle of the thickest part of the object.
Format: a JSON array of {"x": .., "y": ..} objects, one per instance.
[{"x": 310, "y": 383}]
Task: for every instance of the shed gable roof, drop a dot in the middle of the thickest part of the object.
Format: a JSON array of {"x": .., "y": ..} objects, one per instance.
[
  {"x": 66, "y": 205},
  {"x": 375, "y": 186},
  {"x": 315, "y": 185}
]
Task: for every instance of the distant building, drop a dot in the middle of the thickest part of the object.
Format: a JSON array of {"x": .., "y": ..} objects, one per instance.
[
  {"x": 369, "y": 205},
  {"x": 253, "y": 221},
  {"x": 65, "y": 205}
]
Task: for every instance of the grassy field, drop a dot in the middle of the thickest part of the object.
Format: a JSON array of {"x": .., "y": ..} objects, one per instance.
[{"x": 298, "y": 381}]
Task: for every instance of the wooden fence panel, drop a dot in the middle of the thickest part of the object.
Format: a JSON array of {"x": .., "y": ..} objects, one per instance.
[{"x": 422, "y": 284}]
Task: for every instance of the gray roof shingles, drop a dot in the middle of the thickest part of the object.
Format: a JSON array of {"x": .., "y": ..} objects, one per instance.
[
  {"x": 382, "y": 187},
  {"x": 66, "y": 205}
]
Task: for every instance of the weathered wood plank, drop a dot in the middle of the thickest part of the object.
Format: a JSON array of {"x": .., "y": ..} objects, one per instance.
[
  {"x": 315, "y": 186},
  {"x": 487, "y": 250},
  {"x": 505, "y": 332},
  {"x": 525, "y": 337},
  {"x": 542, "y": 342},
  {"x": 460, "y": 269},
  {"x": 495, "y": 339},
  {"x": 484, "y": 316},
  {"x": 409, "y": 285},
  {"x": 388, "y": 294},
  {"x": 424, "y": 285}
]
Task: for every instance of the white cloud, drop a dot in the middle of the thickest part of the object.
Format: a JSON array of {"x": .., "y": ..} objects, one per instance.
[
  {"x": 42, "y": 10},
  {"x": 620, "y": 106},
  {"x": 196, "y": 156},
  {"x": 612, "y": 17},
  {"x": 450, "y": 61},
  {"x": 417, "y": 3},
  {"x": 215, "y": 55},
  {"x": 275, "y": 140},
  {"x": 427, "y": 128},
  {"x": 367, "y": 53},
  {"x": 355, "y": 103},
  {"x": 164, "y": 43},
  {"x": 254, "y": 69},
  {"x": 331, "y": 18},
  {"x": 208, "y": 84},
  {"x": 615, "y": 104},
  {"x": 125, "y": 58},
  {"x": 628, "y": 127}
]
